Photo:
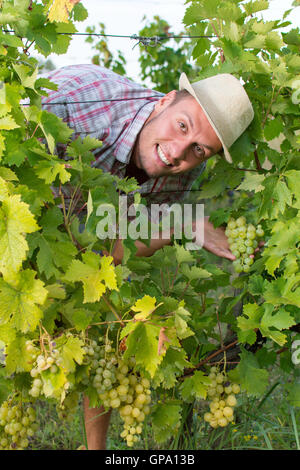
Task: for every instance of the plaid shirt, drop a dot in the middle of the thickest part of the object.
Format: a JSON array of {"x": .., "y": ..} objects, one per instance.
[{"x": 84, "y": 89}]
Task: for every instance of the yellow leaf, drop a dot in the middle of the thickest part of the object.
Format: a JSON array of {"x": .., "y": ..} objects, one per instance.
[
  {"x": 144, "y": 307},
  {"x": 60, "y": 9}
]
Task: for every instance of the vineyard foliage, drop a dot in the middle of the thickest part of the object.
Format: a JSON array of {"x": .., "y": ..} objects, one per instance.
[{"x": 61, "y": 297}]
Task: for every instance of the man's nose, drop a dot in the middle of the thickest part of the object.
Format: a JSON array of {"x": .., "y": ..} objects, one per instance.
[{"x": 179, "y": 151}]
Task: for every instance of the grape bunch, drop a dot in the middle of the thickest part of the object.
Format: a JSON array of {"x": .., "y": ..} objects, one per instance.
[
  {"x": 132, "y": 396},
  {"x": 222, "y": 394},
  {"x": 102, "y": 359},
  {"x": 17, "y": 424},
  {"x": 118, "y": 386},
  {"x": 49, "y": 360},
  {"x": 242, "y": 239}
]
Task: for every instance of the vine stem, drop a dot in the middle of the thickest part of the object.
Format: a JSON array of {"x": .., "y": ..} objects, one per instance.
[
  {"x": 113, "y": 310},
  {"x": 175, "y": 275},
  {"x": 208, "y": 358},
  {"x": 66, "y": 221},
  {"x": 220, "y": 49}
]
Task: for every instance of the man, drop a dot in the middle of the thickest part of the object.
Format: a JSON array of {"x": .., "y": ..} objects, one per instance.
[{"x": 161, "y": 140}]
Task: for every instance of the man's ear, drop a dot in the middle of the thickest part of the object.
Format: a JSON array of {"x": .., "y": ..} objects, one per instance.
[{"x": 165, "y": 101}]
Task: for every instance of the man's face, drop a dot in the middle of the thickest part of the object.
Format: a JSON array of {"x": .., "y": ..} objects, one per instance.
[{"x": 175, "y": 138}]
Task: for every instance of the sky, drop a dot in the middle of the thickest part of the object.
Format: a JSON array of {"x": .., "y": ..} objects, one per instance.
[{"x": 125, "y": 17}]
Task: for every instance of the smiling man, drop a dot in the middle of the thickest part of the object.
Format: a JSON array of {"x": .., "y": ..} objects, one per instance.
[
  {"x": 161, "y": 140},
  {"x": 176, "y": 138}
]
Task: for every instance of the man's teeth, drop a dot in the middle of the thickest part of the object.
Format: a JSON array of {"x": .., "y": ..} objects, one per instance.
[{"x": 162, "y": 157}]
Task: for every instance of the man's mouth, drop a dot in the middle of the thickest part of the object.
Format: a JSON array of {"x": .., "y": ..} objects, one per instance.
[{"x": 162, "y": 156}]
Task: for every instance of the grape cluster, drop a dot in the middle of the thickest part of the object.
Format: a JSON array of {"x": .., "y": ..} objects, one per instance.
[
  {"x": 50, "y": 361},
  {"x": 118, "y": 386},
  {"x": 132, "y": 396},
  {"x": 242, "y": 242},
  {"x": 17, "y": 424},
  {"x": 102, "y": 359},
  {"x": 223, "y": 399}
]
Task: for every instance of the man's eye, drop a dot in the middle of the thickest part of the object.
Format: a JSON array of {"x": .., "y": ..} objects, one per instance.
[
  {"x": 182, "y": 125},
  {"x": 199, "y": 150}
]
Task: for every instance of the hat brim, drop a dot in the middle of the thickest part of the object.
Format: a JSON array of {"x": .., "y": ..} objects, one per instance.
[{"x": 184, "y": 84}]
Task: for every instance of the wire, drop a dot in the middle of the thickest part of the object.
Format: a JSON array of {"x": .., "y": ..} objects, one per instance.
[
  {"x": 65, "y": 103},
  {"x": 133, "y": 36}
]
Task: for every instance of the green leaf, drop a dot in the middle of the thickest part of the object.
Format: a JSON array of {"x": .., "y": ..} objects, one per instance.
[
  {"x": 142, "y": 343},
  {"x": 15, "y": 221},
  {"x": 20, "y": 298},
  {"x": 255, "y": 6},
  {"x": 281, "y": 320},
  {"x": 194, "y": 272},
  {"x": 293, "y": 184},
  {"x": 27, "y": 75},
  {"x": 166, "y": 418},
  {"x": 7, "y": 123},
  {"x": 247, "y": 325},
  {"x": 173, "y": 364},
  {"x": 17, "y": 359},
  {"x": 252, "y": 182},
  {"x": 96, "y": 274},
  {"x": 80, "y": 318},
  {"x": 273, "y": 128},
  {"x": 274, "y": 41},
  {"x": 48, "y": 170},
  {"x": 253, "y": 379},
  {"x": 292, "y": 37},
  {"x": 257, "y": 42},
  {"x": 183, "y": 255},
  {"x": 72, "y": 352},
  {"x": 195, "y": 387},
  {"x": 54, "y": 129}
]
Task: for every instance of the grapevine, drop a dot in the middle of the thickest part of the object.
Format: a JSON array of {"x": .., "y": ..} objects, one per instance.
[{"x": 72, "y": 323}]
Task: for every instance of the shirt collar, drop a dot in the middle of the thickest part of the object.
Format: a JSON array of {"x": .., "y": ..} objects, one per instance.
[{"x": 124, "y": 149}]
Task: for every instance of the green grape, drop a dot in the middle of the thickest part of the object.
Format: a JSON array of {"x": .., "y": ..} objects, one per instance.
[
  {"x": 223, "y": 399},
  {"x": 241, "y": 221},
  {"x": 251, "y": 235},
  {"x": 231, "y": 224}
]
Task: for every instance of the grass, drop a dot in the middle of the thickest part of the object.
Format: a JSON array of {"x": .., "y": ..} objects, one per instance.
[{"x": 268, "y": 423}]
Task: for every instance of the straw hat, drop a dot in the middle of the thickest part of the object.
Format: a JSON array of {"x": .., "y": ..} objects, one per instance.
[{"x": 225, "y": 103}]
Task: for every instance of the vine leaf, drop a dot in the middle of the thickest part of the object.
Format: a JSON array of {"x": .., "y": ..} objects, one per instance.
[
  {"x": 20, "y": 297},
  {"x": 60, "y": 10},
  {"x": 144, "y": 307},
  {"x": 142, "y": 343},
  {"x": 15, "y": 221},
  {"x": 97, "y": 274}
]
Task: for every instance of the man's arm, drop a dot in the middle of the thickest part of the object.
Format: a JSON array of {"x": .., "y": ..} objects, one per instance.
[{"x": 215, "y": 241}]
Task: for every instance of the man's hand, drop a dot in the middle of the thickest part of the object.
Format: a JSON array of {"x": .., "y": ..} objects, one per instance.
[{"x": 215, "y": 240}]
